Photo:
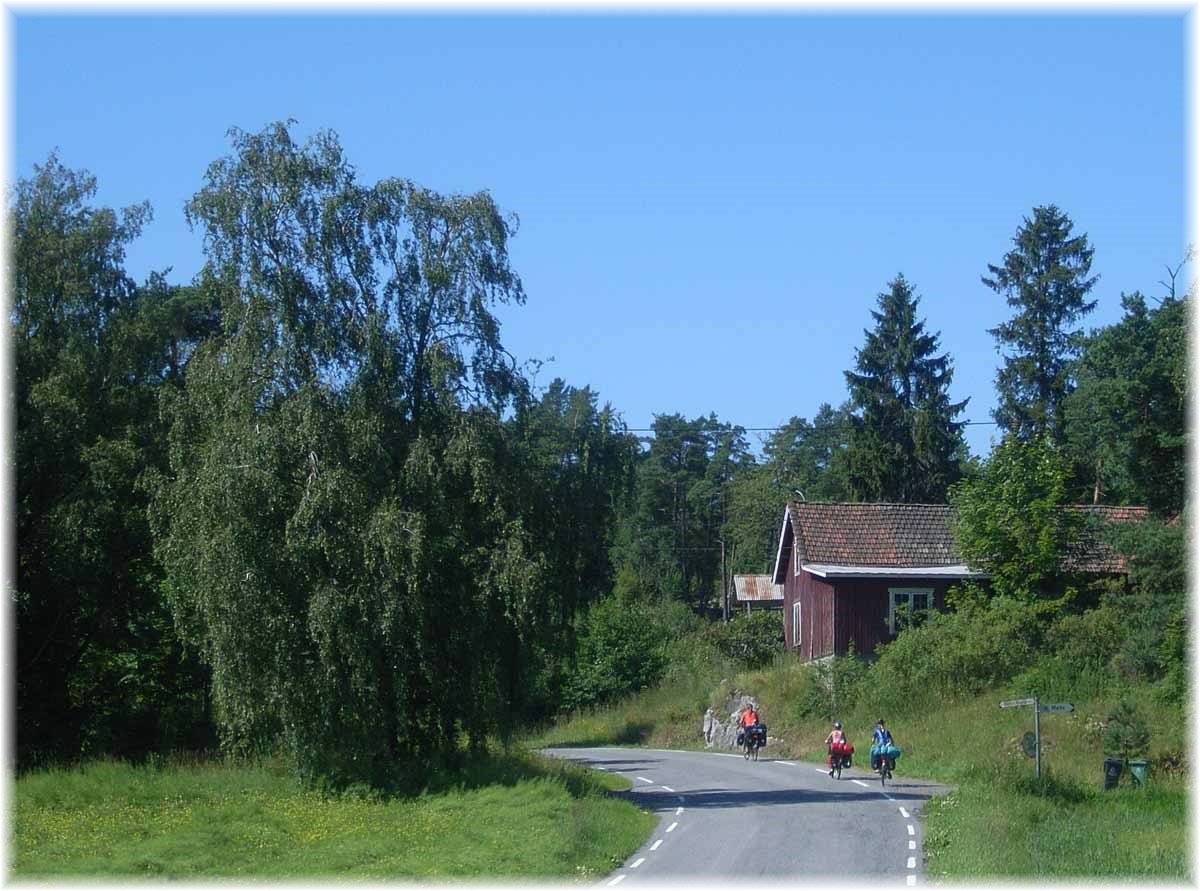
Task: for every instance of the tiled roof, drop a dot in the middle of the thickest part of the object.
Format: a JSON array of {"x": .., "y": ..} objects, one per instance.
[
  {"x": 877, "y": 534},
  {"x": 908, "y": 535},
  {"x": 757, "y": 587},
  {"x": 1089, "y": 552}
]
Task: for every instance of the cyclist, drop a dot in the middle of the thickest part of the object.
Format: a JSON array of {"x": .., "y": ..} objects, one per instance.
[
  {"x": 882, "y": 737},
  {"x": 836, "y": 738}
]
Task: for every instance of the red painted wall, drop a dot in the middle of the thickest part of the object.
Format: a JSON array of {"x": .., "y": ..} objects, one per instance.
[{"x": 861, "y": 611}]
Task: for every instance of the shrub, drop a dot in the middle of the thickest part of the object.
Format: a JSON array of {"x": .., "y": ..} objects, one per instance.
[
  {"x": 836, "y": 688},
  {"x": 981, "y": 645},
  {"x": 620, "y": 651},
  {"x": 752, "y": 640},
  {"x": 1125, "y": 731}
]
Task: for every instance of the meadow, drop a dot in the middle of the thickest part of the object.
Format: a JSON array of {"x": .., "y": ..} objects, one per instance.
[{"x": 510, "y": 817}]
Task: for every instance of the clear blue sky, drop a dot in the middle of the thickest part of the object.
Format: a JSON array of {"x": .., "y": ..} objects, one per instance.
[{"x": 709, "y": 205}]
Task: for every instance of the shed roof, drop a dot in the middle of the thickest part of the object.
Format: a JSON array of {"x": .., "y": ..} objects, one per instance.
[{"x": 757, "y": 587}]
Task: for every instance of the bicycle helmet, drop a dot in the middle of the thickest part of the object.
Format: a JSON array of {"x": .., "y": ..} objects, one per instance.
[{"x": 837, "y": 725}]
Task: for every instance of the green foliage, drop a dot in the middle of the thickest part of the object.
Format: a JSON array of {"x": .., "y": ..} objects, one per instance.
[
  {"x": 668, "y": 538},
  {"x": 620, "y": 651},
  {"x": 979, "y": 646},
  {"x": 1045, "y": 279},
  {"x": 99, "y": 668},
  {"x": 750, "y": 640},
  {"x": 1125, "y": 422},
  {"x": 358, "y": 475},
  {"x": 904, "y": 444},
  {"x": 838, "y": 686},
  {"x": 1154, "y": 606},
  {"x": 798, "y": 457},
  {"x": 1125, "y": 732},
  {"x": 1009, "y": 522}
]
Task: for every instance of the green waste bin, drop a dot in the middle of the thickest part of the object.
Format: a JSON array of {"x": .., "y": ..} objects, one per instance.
[{"x": 1139, "y": 770}]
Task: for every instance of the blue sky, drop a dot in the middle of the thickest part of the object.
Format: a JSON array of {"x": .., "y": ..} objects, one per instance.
[{"x": 708, "y": 204}]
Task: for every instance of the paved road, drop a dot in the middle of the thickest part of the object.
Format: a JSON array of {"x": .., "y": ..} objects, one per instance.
[{"x": 722, "y": 817}]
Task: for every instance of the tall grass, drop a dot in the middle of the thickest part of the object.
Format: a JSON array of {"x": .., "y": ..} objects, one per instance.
[{"x": 511, "y": 817}]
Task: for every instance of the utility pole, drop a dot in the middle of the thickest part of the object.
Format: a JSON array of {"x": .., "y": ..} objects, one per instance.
[{"x": 724, "y": 584}]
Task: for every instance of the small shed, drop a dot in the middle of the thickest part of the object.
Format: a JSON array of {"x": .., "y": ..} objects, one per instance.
[{"x": 757, "y": 592}]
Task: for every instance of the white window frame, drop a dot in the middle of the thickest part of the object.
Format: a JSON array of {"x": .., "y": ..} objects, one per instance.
[
  {"x": 795, "y": 559},
  {"x": 797, "y": 624},
  {"x": 896, "y": 595}
]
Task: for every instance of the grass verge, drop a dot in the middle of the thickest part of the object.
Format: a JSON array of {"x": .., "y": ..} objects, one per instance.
[
  {"x": 1000, "y": 823},
  {"x": 516, "y": 817}
]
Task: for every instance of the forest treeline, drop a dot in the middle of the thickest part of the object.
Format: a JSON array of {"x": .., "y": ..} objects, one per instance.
[{"x": 310, "y": 504}]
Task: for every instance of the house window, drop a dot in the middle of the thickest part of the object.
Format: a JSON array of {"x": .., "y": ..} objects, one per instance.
[
  {"x": 796, "y": 624},
  {"x": 911, "y": 603},
  {"x": 796, "y": 561}
]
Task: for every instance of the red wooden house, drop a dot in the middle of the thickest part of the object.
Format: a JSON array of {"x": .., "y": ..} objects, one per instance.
[{"x": 845, "y": 568}]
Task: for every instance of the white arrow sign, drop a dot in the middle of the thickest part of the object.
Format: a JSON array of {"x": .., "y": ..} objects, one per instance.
[
  {"x": 1056, "y": 707},
  {"x": 1013, "y": 703}
]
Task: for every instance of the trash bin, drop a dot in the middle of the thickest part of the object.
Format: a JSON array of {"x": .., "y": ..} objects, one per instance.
[
  {"x": 1139, "y": 770},
  {"x": 1112, "y": 772}
]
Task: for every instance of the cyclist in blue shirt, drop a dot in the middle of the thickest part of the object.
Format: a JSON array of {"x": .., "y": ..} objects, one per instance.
[{"x": 883, "y": 736}]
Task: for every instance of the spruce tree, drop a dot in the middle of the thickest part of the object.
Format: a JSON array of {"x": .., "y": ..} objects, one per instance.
[
  {"x": 905, "y": 445},
  {"x": 1045, "y": 279}
]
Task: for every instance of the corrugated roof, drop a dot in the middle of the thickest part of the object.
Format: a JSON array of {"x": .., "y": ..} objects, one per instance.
[{"x": 756, "y": 587}]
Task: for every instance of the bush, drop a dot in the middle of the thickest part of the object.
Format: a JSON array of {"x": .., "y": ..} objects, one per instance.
[
  {"x": 620, "y": 651},
  {"x": 1125, "y": 731},
  {"x": 751, "y": 640},
  {"x": 981, "y": 645},
  {"x": 836, "y": 688}
]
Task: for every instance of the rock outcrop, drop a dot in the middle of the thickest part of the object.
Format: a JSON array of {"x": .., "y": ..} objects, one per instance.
[{"x": 720, "y": 729}]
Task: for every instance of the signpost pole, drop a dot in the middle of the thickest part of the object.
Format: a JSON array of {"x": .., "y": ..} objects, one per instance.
[{"x": 1037, "y": 737}]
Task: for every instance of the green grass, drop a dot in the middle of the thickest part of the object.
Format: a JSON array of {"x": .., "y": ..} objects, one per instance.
[
  {"x": 520, "y": 818},
  {"x": 999, "y": 823},
  {"x": 1016, "y": 828}
]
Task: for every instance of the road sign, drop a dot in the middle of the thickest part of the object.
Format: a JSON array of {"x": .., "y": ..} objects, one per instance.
[
  {"x": 1013, "y": 703},
  {"x": 1056, "y": 707},
  {"x": 1029, "y": 744}
]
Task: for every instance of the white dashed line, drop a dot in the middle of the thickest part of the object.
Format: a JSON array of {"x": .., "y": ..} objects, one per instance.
[
  {"x": 904, "y": 813},
  {"x": 788, "y": 763},
  {"x": 912, "y": 880},
  {"x": 861, "y": 783},
  {"x": 671, "y": 828},
  {"x": 680, "y": 798},
  {"x": 912, "y": 845},
  {"x": 617, "y": 879},
  {"x": 644, "y": 780},
  {"x": 668, "y": 788},
  {"x": 654, "y": 847},
  {"x": 636, "y": 863},
  {"x": 911, "y": 831},
  {"x": 820, "y": 770},
  {"x": 601, "y": 768},
  {"x": 912, "y": 863},
  {"x": 678, "y": 811}
]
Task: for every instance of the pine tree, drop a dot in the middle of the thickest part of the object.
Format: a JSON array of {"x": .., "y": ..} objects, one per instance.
[
  {"x": 1045, "y": 278},
  {"x": 905, "y": 445}
]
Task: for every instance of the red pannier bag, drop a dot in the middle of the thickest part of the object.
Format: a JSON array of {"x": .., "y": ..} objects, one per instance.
[{"x": 843, "y": 750}]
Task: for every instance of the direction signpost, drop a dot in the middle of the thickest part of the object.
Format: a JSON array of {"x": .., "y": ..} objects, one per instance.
[{"x": 1038, "y": 708}]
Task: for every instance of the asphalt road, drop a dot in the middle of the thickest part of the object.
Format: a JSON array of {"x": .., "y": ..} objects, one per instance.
[{"x": 722, "y": 817}]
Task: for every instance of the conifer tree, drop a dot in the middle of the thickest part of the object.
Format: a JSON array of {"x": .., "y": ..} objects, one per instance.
[
  {"x": 905, "y": 445},
  {"x": 1045, "y": 279}
]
